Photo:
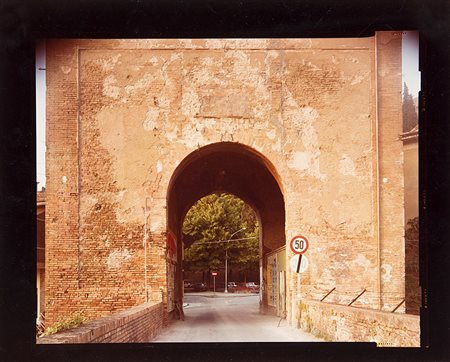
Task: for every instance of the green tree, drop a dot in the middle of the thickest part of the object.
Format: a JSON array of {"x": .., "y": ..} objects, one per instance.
[
  {"x": 215, "y": 218},
  {"x": 410, "y": 119}
]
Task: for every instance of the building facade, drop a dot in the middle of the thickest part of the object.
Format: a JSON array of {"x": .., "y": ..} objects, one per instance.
[{"x": 306, "y": 131}]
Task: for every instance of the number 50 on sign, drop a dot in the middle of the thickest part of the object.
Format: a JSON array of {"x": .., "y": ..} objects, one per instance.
[{"x": 299, "y": 244}]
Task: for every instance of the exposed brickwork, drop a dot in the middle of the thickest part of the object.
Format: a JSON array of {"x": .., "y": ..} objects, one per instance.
[
  {"x": 351, "y": 324},
  {"x": 321, "y": 115},
  {"x": 103, "y": 266},
  {"x": 135, "y": 325},
  {"x": 61, "y": 219},
  {"x": 391, "y": 183}
]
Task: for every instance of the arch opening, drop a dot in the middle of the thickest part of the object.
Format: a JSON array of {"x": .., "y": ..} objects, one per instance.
[
  {"x": 221, "y": 234},
  {"x": 235, "y": 169}
]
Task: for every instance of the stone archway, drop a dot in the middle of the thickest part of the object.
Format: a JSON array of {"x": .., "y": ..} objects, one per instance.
[{"x": 236, "y": 169}]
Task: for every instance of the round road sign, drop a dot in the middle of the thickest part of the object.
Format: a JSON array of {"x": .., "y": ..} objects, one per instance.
[
  {"x": 299, "y": 244},
  {"x": 294, "y": 264}
]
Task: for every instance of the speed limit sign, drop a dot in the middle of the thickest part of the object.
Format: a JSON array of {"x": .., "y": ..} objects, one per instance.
[{"x": 299, "y": 244}]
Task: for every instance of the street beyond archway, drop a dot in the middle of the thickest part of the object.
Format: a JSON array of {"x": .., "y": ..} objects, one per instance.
[{"x": 229, "y": 318}]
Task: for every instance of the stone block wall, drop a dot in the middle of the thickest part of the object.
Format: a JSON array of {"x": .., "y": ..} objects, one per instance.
[
  {"x": 351, "y": 324},
  {"x": 138, "y": 324}
]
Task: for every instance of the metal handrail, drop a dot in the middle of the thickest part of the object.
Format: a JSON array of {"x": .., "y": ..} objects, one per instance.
[
  {"x": 398, "y": 306},
  {"x": 328, "y": 294},
  {"x": 354, "y": 300}
]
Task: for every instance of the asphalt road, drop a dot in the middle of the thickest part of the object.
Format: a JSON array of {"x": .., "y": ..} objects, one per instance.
[{"x": 229, "y": 318}]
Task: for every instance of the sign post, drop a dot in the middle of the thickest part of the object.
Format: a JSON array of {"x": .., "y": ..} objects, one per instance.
[
  {"x": 299, "y": 244},
  {"x": 214, "y": 274}
]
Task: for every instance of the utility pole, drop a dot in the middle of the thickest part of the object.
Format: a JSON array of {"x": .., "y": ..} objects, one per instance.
[{"x": 226, "y": 258}]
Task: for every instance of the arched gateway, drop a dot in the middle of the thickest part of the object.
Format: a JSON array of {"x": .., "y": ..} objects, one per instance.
[
  {"x": 237, "y": 169},
  {"x": 138, "y": 130}
]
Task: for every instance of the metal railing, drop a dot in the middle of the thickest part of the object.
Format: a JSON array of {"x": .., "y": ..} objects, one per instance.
[
  {"x": 354, "y": 300},
  {"x": 332, "y": 290},
  {"x": 357, "y": 297}
]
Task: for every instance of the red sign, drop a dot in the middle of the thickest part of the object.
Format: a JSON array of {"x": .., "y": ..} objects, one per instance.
[
  {"x": 171, "y": 245},
  {"x": 214, "y": 274},
  {"x": 299, "y": 244}
]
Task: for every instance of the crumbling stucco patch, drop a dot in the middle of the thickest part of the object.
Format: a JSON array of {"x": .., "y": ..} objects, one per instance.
[
  {"x": 303, "y": 118},
  {"x": 191, "y": 136},
  {"x": 359, "y": 78},
  {"x": 159, "y": 166},
  {"x": 387, "y": 274},
  {"x": 346, "y": 166},
  {"x": 117, "y": 257},
  {"x": 361, "y": 260},
  {"x": 108, "y": 64},
  {"x": 65, "y": 69},
  {"x": 299, "y": 161},
  {"x": 190, "y": 103},
  {"x": 151, "y": 119},
  {"x": 109, "y": 87},
  {"x": 155, "y": 226}
]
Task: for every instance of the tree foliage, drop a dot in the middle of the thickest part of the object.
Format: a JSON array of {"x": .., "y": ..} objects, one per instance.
[
  {"x": 215, "y": 218},
  {"x": 410, "y": 119}
]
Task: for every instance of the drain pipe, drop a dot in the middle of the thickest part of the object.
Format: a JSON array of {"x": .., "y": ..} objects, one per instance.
[
  {"x": 145, "y": 252},
  {"x": 145, "y": 249},
  {"x": 378, "y": 201}
]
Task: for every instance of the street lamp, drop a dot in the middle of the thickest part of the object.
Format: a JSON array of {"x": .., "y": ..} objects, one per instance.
[{"x": 226, "y": 259}]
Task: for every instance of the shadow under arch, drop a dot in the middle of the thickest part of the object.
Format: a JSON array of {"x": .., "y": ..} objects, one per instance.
[{"x": 232, "y": 168}]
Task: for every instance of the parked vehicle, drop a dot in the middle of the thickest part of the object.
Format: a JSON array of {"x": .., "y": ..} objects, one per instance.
[
  {"x": 188, "y": 286},
  {"x": 200, "y": 287},
  {"x": 252, "y": 286},
  {"x": 232, "y": 287}
]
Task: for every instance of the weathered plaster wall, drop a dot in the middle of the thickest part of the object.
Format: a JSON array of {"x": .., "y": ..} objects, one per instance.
[
  {"x": 349, "y": 324},
  {"x": 123, "y": 114},
  {"x": 329, "y": 169}
]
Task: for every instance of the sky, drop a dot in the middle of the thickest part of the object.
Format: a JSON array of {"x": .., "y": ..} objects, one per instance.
[
  {"x": 410, "y": 74},
  {"x": 40, "y": 113},
  {"x": 410, "y": 61}
]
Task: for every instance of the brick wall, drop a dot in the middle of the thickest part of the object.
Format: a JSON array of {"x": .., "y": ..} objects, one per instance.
[
  {"x": 351, "y": 324},
  {"x": 391, "y": 226},
  {"x": 61, "y": 217},
  {"x": 95, "y": 260},
  {"x": 138, "y": 324}
]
